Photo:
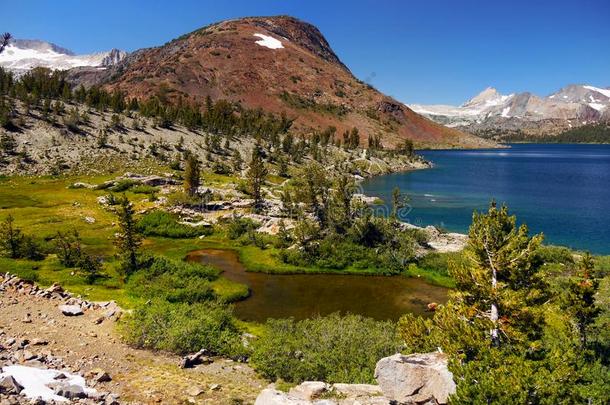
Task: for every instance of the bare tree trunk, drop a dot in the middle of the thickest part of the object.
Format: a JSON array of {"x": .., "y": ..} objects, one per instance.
[{"x": 494, "y": 308}]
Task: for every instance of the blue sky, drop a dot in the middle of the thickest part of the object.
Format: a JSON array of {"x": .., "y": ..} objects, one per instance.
[{"x": 436, "y": 51}]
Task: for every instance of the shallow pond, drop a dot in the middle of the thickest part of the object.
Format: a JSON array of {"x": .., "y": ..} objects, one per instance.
[{"x": 306, "y": 295}]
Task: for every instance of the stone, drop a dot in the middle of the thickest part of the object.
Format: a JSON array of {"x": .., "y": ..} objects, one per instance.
[
  {"x": 309, "y": 390},
  {"x": 357, "y": 390},
  {"x": 71, "y": 310},
  {"x": 215, "y": 387},
  {"x": 194, "y": 391},
  {"x": 39, "y": 342},
  {"x": 102, "y": 376},
  {"x": 8, "y": 385},
  {"x": 70, "y": 391},
  {"x": 416, "y": 378},
  {"x": 112, "y": 399},
  {"x": 270, "y": 396},
  {"x": 194, "y": 359},
  {"x": 55, "y": 288},
  {"x": 27, "y": 355}
]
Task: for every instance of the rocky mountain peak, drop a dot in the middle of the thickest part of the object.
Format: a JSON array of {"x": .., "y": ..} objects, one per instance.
[{"x": 489, "y": 94}]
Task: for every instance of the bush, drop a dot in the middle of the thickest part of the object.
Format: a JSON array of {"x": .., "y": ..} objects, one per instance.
[
  {"x": 123, "y": 185},
  {"x": 161, "y": 223},
  {"x": 555, "y": 254},
  {"x": 333, "y": 348},
  {"x": 144, "y": 189},
  {"x": 237, "y": 226},
  {"x": 173, "y": 280},
  {"x": 184, "y": 328}
]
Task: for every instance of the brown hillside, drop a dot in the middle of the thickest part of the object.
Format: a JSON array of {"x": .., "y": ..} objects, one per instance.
[{"x": 304, "y": 78}]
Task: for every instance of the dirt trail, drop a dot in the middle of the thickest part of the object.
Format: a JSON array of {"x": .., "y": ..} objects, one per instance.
[{"x": 138, "y": 376}]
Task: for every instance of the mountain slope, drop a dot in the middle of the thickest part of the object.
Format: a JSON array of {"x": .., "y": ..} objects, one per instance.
[
  {"x": 571, "y": 106},
  {"x": 279, "y": 64},
  {"x": 22, "y": 54}
]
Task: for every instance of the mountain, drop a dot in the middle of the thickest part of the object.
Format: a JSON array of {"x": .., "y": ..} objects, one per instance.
[
  {"x": 279, "y": 64},
  {"x": 571, "y": 106},
  {"x": 24, "y": 54}
]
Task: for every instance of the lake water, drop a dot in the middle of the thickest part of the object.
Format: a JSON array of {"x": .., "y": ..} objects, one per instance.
[
  {"x": 561, "y": 190},
  {"x": 306, "y": 295}
]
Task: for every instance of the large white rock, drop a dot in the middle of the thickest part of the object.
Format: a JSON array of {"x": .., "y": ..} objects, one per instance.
[
  {"x": 270, "y": 396},
  {"x": 309, "y": 390},
  {"x": 310, "y": 393},
  {"x": 416, "y": 378}
]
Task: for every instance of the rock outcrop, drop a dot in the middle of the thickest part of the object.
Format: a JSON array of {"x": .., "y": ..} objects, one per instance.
[
  {"x": 416, "y": 378},
  {"x": 321, "y": 393},
  {"x": 404, "y": 380}
]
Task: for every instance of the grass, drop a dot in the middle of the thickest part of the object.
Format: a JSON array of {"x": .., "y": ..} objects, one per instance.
[{"x": 45, "y": 205}]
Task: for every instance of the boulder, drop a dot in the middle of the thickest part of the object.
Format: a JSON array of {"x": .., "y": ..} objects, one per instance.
[
  {"x": 194, "y": 391},
  {"x": 8, "y": 385},
  {"x": 194, "y": 359},
  {"x": 416, "y": 378},
  {"x": 70, "y": 391},
  {"x": 71, "y": 310},
  {"x": 309, "y": 390},
  {"x": 357, "y": 390},
  {"x": 270, "y": 396}
]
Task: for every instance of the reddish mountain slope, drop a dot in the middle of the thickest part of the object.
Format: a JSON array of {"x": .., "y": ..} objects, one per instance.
[{"x": 279, "y": 64}]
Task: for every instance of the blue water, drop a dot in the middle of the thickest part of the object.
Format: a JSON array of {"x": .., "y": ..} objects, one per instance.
[{"x": 561, "y": 190}]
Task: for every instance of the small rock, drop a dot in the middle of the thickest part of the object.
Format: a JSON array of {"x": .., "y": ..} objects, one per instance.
[
  {"x": 71, "y": 310},
  {"x": 8, "y": 385},
  {"x": 39, "y": 342},
  {"x": 215, "y": 387},
  {"x": 194, "y": 391},
  {"x": 309, "y": 390},
  {"x": 27, "y": 355},
  {"x": 70, "y": 391},
  {"x": 102, "y": 377}
]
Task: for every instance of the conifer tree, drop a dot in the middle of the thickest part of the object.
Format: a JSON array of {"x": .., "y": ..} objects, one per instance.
[
  {"x": 578, "y": 298},
  {"x": 501, "y": 279},
  {"x": 399, "y": 201},
  {"x": 10, "y": 238},
  {"x": 4, "y": 40},
  {"x": 192, "y": 176},
  {"x": 256, "y": 177},
  {"x": 128, "y": 240}
]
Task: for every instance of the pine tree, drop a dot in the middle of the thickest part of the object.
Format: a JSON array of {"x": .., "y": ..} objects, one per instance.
[
  {"x": 10, "y": 238},
  {"x": 128, "y": 240},
  {"x": 4, "y": 40},
  {"x": 192, "y": 176},
  {"x": 399, "y": 201},
  {"x": 501, "y": 279},
  {"x": 578, "y": 299},
  {"x": 256, "y": 177},
  {"x": 237, "y": 161}
]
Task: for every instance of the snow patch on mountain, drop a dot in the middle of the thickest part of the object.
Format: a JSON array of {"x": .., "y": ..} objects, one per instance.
[
  {"x": 605, "y": 92},
  {"x": 573, "y": 102},
  {"x": 268, "y": 42},
  {"x": 21, "y": 55}
]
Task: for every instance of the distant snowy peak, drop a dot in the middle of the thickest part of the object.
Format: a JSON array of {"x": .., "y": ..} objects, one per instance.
[
  {"x": 487, "y": 98},
  {"x": 574, "y": 102},
  {"x": 25, "y": 54}
]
